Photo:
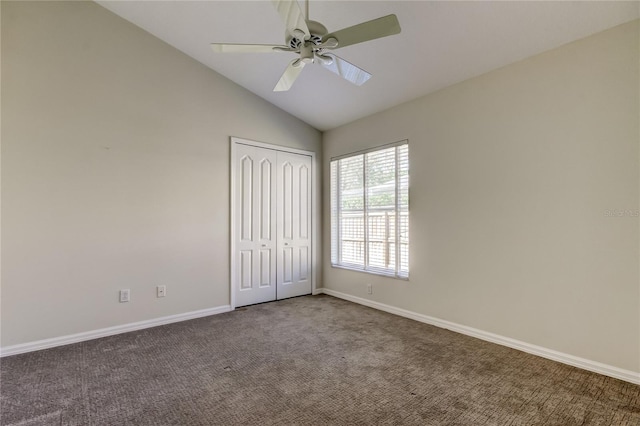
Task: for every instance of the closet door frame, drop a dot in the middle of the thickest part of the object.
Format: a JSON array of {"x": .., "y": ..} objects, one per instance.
[{"x": 234, "y": 142}]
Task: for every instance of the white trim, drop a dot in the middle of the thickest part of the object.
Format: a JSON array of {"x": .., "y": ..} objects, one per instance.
[
  {"x": 372, "y": 149},
  {"x": 314, "y": 217},
  {"x": 232, "y": 227},
  {"x": 585, "y": 364},
  {"x": 109, "y": 331},
  {"x": 271, "y": 146},
  {"x": 315, "y": 192}
]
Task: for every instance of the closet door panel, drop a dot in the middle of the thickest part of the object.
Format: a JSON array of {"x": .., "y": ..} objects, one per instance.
[
  {"x": 255, "y": 210},
  {"x": 294, "y": 225}
]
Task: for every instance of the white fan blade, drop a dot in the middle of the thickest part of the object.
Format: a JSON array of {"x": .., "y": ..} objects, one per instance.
[
  {"x": 347, "y": 70},
  {"x": 290, "y": 74},
  {"x": 370, "y": 30},
  {"x": 293, "y": 18},
  {"x": 247, "y": 48}
]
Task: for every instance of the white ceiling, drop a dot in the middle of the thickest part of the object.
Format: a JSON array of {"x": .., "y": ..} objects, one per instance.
[{"x": 441, "y": 43}]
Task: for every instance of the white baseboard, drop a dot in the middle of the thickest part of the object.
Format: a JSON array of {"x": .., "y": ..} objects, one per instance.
[
  {"x": 594, "y": 366},
  {"x": 316, "y": 291},
  {"x": 109, "y": 331}
]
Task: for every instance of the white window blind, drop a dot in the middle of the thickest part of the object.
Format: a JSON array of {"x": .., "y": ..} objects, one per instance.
[{"x": 370, "y": 211}]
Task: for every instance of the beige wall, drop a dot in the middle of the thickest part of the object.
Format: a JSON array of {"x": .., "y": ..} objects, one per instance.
[
  {"x": 115, "y": 171},
  {"x": 512, "y": 174}
]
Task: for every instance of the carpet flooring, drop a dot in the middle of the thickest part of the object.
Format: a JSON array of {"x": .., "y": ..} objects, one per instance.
[{"x": 313, "y": 360}]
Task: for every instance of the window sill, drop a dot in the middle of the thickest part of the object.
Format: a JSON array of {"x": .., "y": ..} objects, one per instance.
[{"x": 372, "y": 272}]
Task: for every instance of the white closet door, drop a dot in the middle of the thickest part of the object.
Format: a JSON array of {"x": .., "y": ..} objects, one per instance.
[
  {"x": 255, "y": 210},
  {"x": 294, "y": 225}
]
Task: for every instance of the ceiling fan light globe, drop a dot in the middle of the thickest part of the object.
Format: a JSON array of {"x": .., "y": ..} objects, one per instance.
[
  {"x": 299, "y": 34},
  {"x": 330, "y": 43},
  {"x": 325, "y": 59}
]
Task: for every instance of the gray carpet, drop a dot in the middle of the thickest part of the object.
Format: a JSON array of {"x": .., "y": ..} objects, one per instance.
[{"x": 308, "y": 360}]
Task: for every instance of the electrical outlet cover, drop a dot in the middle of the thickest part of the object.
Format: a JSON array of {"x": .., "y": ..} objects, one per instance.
[
  {"x": 161, "y": 291},
  {"x": 125, "y": 295}
]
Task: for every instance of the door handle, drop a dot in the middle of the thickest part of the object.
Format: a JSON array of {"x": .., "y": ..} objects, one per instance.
[{"x": 286, "y": 244}]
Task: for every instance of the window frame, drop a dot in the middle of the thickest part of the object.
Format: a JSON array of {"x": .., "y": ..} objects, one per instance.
[{"x": 335, "y": 209}]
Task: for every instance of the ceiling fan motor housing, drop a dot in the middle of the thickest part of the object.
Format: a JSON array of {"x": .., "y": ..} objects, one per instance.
[{"x": 317, "y": 31}]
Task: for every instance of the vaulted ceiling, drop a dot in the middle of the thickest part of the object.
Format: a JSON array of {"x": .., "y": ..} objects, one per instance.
[{"x": 441, "y": 43}]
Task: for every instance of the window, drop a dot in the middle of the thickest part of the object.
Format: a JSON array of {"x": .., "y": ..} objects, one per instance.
[{"x": 370, "y": 210}]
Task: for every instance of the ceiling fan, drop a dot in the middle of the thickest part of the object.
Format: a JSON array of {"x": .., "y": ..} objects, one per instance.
[{"x": 312, "y": 41}]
